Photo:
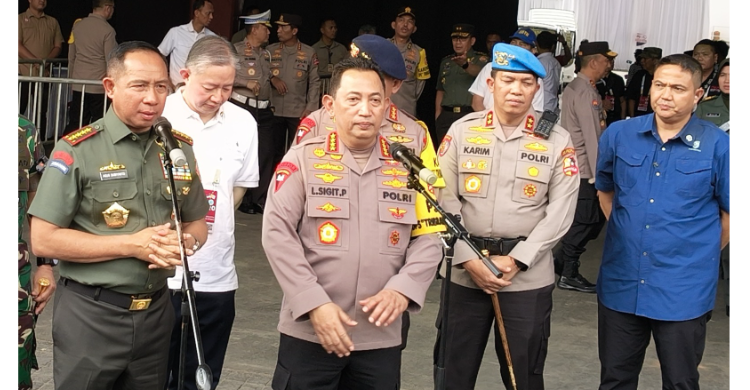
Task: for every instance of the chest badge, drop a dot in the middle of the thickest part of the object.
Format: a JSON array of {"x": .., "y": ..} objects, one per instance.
[
  {"x": 328, "y": 208},
  {"x": 473, "y": 184},
  {"x": 328, "y": 233},
  {"x": 328, "y": 177},
  {"x": 116, "y": 216},
  {"x": 529, "y": 190}
]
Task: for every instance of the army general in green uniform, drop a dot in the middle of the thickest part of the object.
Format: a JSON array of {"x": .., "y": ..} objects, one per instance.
[
  {"x": 104, "y": 209},
  {"x": 32, "y": 297},
  {"x": 457, "y": 72}
]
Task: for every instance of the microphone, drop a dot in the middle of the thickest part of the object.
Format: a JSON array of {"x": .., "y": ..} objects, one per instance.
[
  {"x": 402, "y": 154},
  {"x": 163, "y": 130}
]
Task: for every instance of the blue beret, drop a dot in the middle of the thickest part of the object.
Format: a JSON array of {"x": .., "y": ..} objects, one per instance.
[
  {"x": 382, "y": 52},
  {"x": 516, "y": 59}
]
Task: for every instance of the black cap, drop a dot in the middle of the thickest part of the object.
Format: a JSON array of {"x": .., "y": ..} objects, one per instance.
[
  {"x": 651, "y": 52},
  {"x": 591, "y": 48},
  {"x": 287, "y": 19},
  {"x": 406, "y": 11},
  {"x": 462, "y": 30}
]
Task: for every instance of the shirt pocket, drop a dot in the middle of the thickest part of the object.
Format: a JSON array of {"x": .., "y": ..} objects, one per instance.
[
  {"x": 329, "y": 223},
  {"x": 692, "y": 177},
  {"x": 123, "y": 192},
  {"x": 531, "y": 183},
  {"x": 627, "y": 170},
  {"x": 394, "y": 229}
]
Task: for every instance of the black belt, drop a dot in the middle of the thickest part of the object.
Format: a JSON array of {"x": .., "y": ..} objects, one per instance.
[
  {"x": 497, "y": 246},
  {"x": 458, "y": 109},
  {"x": 135, "y": 302}
]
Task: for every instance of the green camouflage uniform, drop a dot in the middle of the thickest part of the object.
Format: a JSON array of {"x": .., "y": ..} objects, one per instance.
[{"x": 29, "y": 151}]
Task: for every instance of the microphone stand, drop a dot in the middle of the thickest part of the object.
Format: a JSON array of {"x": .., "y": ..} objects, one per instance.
[
  {"x": 203, "y": 376},
  {"x": 455, "y": 232}
]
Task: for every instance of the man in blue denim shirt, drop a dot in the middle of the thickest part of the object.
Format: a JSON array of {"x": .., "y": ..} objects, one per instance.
[{"x": 663, "y": 182}]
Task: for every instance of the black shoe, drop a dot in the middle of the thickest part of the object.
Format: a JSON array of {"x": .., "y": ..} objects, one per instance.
[{"x": 576, "y": 283}]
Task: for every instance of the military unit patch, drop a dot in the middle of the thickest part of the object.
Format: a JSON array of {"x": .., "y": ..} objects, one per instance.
[
  {"x": 445, "y": 145},
  {"x": 283, "y": 171},
  {"x": 328, "y": 233},
  {"x": 529, "y": 190},
  {"x": 304, "y": 127},
  {"x": 473, "y": 184},
  {"x": 569, "y": 165}
]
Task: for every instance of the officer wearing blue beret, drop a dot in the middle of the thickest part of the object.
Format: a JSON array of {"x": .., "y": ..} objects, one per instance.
[{"x": 515, "y": 190}]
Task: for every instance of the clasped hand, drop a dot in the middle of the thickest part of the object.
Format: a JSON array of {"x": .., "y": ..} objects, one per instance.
[
  {"x": 159, "y": 246},
  {"x": 485, "y": 279},
  {"x": 329, "y": 321}
]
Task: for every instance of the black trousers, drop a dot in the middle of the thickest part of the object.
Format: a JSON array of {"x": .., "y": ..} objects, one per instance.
[
  {"x": 266, "y": 154},
  {"x": 303, "y": 365},
  {"x": 284, "y": 132},
  {"x": 215, "y": 317},
  {"x": 102, "y": 346},
  {"x": 587, "y": 224},
  {"x": 526, "y": 315},
  {"x": 444, "y": 122},
  {"x": 623, "y": 339},
  {"x": 93, "y": 106}
]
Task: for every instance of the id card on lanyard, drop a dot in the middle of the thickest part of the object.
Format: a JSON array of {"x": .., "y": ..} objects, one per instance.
[
  {"x": 643, "y": 100},
  {"x": 212, "y": 196}
]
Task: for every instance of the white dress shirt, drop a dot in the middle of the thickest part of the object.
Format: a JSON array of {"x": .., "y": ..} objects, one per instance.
[
  {"x": 177, "y": 44},
  {"x": 480, "y": 88},
  {"x": 226, "y": 150}
]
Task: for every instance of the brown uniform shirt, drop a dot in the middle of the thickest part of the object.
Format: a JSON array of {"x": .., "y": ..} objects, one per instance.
[
  {"x": 297, "y": 66},
  {"x": 506, "y": 188},
  {"x": 91, "y": 40},
  {"x": 582, "y": 115},
  {"x": 255, "y": 64},
  {"x": 335, "y": 232},
  {"x": 39, "y": 35},
  {"x": 416, "y": 74}
]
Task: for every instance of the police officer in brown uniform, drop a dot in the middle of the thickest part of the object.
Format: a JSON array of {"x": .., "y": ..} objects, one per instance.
[
  {"x": 295, "y": 80},
  {"x": 91, "y": 40},
  {"x": 415, "y": 60},
  {"x": 584, "y": 117},
  {"x": 252, "y": 91},
  {"x": 336, "y": 232},
  {"x": 516, "y": 194}
]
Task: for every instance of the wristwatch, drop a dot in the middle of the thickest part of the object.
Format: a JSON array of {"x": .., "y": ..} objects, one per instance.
[
  {"x": 196, "y": 246},
  {"x": 465, "y": 65},
  {"x": 40, "y": 261}
]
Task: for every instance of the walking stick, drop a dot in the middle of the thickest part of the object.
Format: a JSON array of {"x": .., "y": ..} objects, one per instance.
[{"x": 501, "y": 328}]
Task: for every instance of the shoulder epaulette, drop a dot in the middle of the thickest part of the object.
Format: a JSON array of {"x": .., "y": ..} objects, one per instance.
[
  {"x": 710, "y": 98},
  {"x": 79, "y": 135},
  {"x": 182, "y": 137}
]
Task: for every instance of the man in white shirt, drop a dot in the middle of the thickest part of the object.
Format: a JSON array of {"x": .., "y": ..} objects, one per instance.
[
  {"x": 546, "y": 44},
  {"x": 178, "y": 41},
  {"x": 225, "y": 141},
  {"x": 482, "y": 99}
]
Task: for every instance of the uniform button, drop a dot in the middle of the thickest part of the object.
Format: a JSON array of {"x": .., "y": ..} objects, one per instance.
[
  {"x": 150, "y": 286},
  {"x": 153, "y": 223},
  {"x": 651, "y": 200},
  {"x": 663, "y": 149},
  {"x": 658, "y": 174},
  {"x": 133, "y": 137},
  {"x": 643, "y": 281},
  {"x": 656, "y": 164},
  {"x": 148, "y": 192},
  {"x": 645, "y": 253},
  {"x": 115, "y": 194},
  {"x": 648, "y": 226},
  {"x": 144, "y": 161}
]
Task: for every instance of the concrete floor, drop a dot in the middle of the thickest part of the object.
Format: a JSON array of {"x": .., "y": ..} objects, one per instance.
[{"x": 572, "y": 361}]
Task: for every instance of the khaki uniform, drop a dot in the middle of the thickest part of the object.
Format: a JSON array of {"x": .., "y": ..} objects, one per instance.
[
  {"x": 334, "y": 232},
  {"x": 30, "y": 151},
  {"x": 91, "y": 40},
  {"x": 106, "y": 164},
  {"x": 329, "y": 56},
  {"x": 417, "y": 71},
  {"x": 39, "y": 35},
  {"x": 584, "y": 118},
  {"x": 507, "y": 188},
  {"x": 297, "y": 66},
  {"x": 714, "y": 109},
  {"x": 255, "y": 65}
]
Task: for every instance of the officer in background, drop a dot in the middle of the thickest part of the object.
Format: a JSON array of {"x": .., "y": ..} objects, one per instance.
[
  {"x": 295, "y": 81},
  {"x": 639, "y": 88},
  {"x": 516, "y": 195},
  {"x": 33, "y": 291},
  {"x": 104, "y": 207},
  {"x": 584, "y": 118},
  {"x": 415, "y": 60},
  {"x": 336, "y": 233},
  {"x": 91, "y": 40},
  {"x": 252, "y": 92},
  {"x": 457, "y": 72},
  {"x": 329, "y": 51},
  {"x": 715, "y": 109},
  {"x": 611, "y": 89}
]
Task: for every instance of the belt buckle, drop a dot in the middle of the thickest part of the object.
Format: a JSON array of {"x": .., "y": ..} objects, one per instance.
[
  {"x": 139, "y": 304},
  {"x": 456, "y": 110}
]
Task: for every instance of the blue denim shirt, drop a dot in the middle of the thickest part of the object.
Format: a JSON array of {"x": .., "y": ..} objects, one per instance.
[{"x": 661, "y": 253}]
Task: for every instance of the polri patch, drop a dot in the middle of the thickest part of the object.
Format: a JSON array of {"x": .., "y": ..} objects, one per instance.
[{"x": 283, "y": 171}]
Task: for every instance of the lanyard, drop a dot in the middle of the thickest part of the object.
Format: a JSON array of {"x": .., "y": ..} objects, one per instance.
[
  {"x": 643, "y": 83},
  {"x": 707, "y": 84}
]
